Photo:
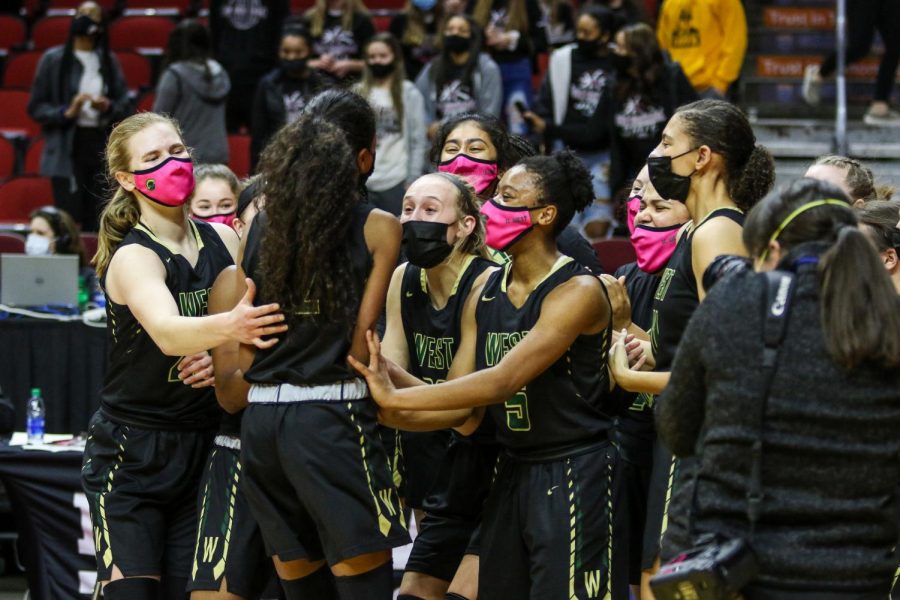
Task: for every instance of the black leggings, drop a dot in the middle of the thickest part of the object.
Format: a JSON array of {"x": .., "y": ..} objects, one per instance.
[{"x": 863, "y": 19}]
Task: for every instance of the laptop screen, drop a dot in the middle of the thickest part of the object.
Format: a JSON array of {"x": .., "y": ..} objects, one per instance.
[{"x": 38, "y": 280}]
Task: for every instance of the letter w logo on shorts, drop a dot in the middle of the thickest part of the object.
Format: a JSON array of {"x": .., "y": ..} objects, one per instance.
[
  {"x": 210, "y": 543},
  {"x": 593, "y": 581}
]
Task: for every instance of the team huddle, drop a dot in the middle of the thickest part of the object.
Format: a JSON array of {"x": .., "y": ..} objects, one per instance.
[{"x": 287, "y": 394}]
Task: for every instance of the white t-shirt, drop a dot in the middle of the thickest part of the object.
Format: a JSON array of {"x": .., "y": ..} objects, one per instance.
[
  {"x": 391, "y": 153},
  {"x": 91, "y": 83}
]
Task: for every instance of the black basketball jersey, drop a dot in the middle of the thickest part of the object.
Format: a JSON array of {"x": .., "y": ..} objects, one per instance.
[
  {"x": 567, "y": 404},
  {"x": 312, "y": 351},
  {"x": 636, "y": 410},
  {"x": 432, "y": 334},
  {"x": 676, "y": 296},
  {"x": 141, "y": 386}
]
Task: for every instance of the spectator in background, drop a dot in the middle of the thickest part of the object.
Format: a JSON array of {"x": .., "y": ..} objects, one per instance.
[
  {"x": 77, "y": 94},
  {"x": 626, "y": 12},
  {"x": 513, "y": 35},
  {"x": 579, "y": 81},
  {"x": 282, "y": 94},
  {"x": 649, "y": 87},
  {"x": 215, "y": 198},
  {"x": 53, "y": 231},
  {"x": 851, "y": 176},
  {"x": 193, "y": 89},
  {"x": 863, "y": 19},
  {"x": 878, "y": 220},
  {"x": 417, "y": 28},
  {"x": 245, "y": 41},
  {"x": 340, "y": 29},
  {"x": 558, "y": 22},
  {"x": 454, "y": 7},
  {"x": 461, "y": 79},
  {"x": 399, "y": 123},
  {"x": 709, "y": 39}
]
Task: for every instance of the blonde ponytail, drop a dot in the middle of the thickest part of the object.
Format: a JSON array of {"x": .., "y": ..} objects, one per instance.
[{"x": 121, "y": 211}]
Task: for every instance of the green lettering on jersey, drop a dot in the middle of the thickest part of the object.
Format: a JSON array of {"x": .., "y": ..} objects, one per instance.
[
  {"x": 663, "y": 288},
  {"x": 435, "y": 353},
  {"x": 654, "y": 332},
  {"x": 497, "y": 345},
  {"x": 192, "y": 304}
]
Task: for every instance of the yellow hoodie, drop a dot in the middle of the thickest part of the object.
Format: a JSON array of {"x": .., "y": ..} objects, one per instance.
[{"x": 707, "y": 37}]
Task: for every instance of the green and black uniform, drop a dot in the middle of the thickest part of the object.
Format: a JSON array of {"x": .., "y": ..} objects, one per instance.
[
  {"x": 674, "y": 303},
  {"x": 455, "y": 471},
  {"x": 315, "y": 472},
  {"x": 548, "y": 520},
  {"x": 148, "y": 442},
  {"x": 229, "y": 544}
]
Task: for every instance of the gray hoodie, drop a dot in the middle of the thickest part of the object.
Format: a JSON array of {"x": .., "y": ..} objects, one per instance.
[{"x": 194, "y": 94}]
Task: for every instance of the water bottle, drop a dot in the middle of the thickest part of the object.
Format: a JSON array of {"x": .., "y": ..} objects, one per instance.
[
  {"x": 83, "y": 294},
  {"x": 35, "y": 417}
]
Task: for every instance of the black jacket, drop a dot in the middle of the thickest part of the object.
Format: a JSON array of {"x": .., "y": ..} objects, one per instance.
[
  {"x": 269, "y": 113},
  {"x": 831, "y": 449}
]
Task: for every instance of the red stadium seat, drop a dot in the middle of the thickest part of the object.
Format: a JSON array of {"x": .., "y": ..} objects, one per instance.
[
  {"x": 14, "y": 119},
  {"x": 136, "y": 68},
  {"x": 20, "y": 69},
  {"x": 381, "y": 22},
  {"x": 298, "y": 7},
  {"x": 614, "y": 253},
  {"x": 146, "y": 33},
  {"x": 12, "y": 33},
  {"x": 10, "y": 243},
  {"x": 239, "y": 154},
  {"x": 90, "y": 244},
  {"x": 7, "y": 158},
  {"x": 145, "y": 103},
  {"x": 50, "y": 31},
  {"x": 21, "y": 195},
  {"x": 33, "y": 157}
]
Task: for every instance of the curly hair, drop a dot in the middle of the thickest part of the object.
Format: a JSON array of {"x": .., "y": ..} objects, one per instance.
[
  {"x": 311, "y": 192},
  {"x": 565, "y": 183}
]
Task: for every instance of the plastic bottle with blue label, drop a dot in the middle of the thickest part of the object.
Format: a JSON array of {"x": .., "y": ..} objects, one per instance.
[{"x": 34, "y": 412}]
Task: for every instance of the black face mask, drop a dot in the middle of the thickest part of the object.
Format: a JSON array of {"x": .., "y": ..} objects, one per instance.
[
  {"x": 425, "y": 243},
  {"x": 456, "y": 44},
  {"x": 294, "y": 67},
  {"x": 670, "y": 186},
  {"x": 83, "y": 25},
  {"x": 588, "y": 47},
  {"x": 380, "y": 71}
]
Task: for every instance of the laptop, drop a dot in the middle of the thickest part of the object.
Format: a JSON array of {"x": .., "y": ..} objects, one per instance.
[{"x": 38, "y": 280}]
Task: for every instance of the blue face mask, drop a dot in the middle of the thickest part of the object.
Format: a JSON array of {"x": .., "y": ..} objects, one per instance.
[{"x": 425, "y": 5}]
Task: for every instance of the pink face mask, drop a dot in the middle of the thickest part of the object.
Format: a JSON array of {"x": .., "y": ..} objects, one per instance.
[
  {"x": 506, "y": 225},
  {"x": 654, "y": 246},
  {"x": 479, "y": 173},
  {"x": 632, "y": 208},
  {"x": 224, "y": 219},
  {"x": 169, "y": 183}
]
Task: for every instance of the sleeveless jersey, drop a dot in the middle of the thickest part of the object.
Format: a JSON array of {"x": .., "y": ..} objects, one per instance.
[
  {"x": 676, "y": 296},
  {"x": 566, "y": 405},
  {"x": 141, "y": 386},
  {"x": 432, "y": 334},
  {"x": 311, "y": 352}
]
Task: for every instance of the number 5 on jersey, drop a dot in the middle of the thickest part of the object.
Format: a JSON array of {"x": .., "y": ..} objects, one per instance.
[{"x": 517, "y": 418}]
